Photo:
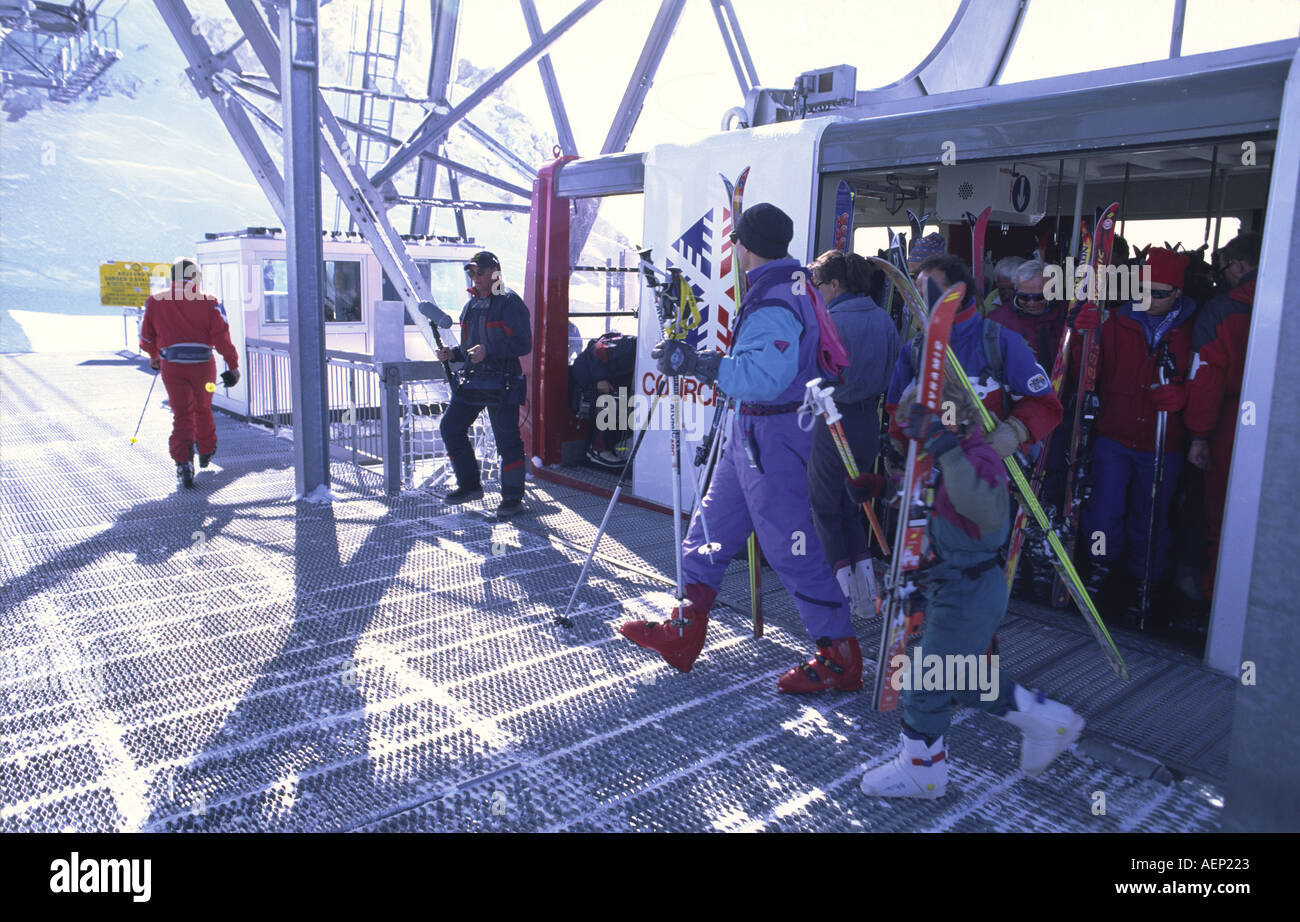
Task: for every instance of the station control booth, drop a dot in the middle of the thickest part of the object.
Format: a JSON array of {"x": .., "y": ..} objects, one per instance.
[{"x": 247, "y": 270}]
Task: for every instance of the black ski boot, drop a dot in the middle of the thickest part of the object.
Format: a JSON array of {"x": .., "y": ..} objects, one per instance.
[
  {"x": 204, "y": 459},
  {"x": 463, "y": 495},
  {"x": 185, "y": 473},
  {"x": 510, "y": 508}
]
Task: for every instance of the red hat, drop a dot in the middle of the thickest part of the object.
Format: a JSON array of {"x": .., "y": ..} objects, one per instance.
[{"x": 1167, "y": 267}]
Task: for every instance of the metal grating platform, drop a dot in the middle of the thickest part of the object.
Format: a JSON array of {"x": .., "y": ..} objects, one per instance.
[{"x": 226, "y": 659}]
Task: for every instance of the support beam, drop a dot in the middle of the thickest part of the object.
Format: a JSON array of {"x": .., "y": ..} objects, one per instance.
[
  {"x": 734, "y": 42},
  {"x": 299, "y": 75},
  {"x": 444, "y": 16},
  {"x": 629, "y": 110},
  {"x": 438, "y": 159},
  {"x": 492, "y": 144},
  {"x": 1176, "y": 33},
  {"x": 362, "y": 200},
  {"x": 434, "y": 128},
  {"x": 553, "y": 97},
  {"x": 950, "y": 66},
  {"x": 462, "y": 204},
  {"x": 203, "y": 65},
  {"x": 643, "y": 75}
]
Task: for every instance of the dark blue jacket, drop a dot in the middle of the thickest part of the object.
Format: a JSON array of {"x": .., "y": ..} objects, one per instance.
[
  {"x": 503, "y": 325},
  {"x": 872, "y": 342}
]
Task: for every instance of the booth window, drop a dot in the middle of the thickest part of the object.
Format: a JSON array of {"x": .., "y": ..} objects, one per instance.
[
  {"x": 342, "y": 291},
  {"x": 446, "y": 279},
  {"x": 275, "y": 290}
]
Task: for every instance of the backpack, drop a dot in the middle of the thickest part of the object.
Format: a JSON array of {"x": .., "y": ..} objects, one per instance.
[
  {"x": 609, "y": 357},
  {"x": 832, "y": 357},
  {"x": 992, "y": 351}
]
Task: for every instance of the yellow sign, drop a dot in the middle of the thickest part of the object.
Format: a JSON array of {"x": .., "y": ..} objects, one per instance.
[{"x": 128, "y": 284}]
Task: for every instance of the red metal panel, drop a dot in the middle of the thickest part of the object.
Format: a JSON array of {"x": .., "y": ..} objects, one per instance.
[{"x": 547, "y": 422}]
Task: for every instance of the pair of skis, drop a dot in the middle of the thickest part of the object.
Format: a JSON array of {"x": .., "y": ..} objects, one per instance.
[
  {"x": 1061, "y": 560},
  {"x": 903, "y": 605},
  {"x": 1078, "y": 485},
  {"x": 736, "y": 196},
  {"x": 1089, "y": 255}
]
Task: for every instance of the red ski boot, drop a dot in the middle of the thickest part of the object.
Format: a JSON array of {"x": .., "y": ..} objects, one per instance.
[
  {"x": 680, "y": 639},
  {"x": 837, "y": 666}
]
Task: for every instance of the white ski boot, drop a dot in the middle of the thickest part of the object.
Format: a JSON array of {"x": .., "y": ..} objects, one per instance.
[
  {"x": 844, "y": 577},
  {"x": 917, "y": 771},
  {"x": 864, "y": 583},
  {"x": 1049, "y": 728}
]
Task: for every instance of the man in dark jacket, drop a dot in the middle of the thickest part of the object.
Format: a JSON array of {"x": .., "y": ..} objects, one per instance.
[{"x": 495, "y": 330}]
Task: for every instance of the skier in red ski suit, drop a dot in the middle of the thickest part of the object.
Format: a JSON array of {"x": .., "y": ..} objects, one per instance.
[
  {"x": 180, "y": 328},
  {"x": 1214, "y": 390},
  {"x": 1124, "y": 447}
]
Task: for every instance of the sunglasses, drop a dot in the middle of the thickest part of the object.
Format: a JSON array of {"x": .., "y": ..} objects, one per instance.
[
  {"x": 1022, "y": 296},
  {"x": 1161, "y": 293}
]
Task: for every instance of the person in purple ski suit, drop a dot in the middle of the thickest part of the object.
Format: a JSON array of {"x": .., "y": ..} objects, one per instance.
[{"x": 761, "y": 483}]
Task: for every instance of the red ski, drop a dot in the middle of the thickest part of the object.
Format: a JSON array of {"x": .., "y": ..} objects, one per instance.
[
  {"x": 1078, "y": 484},
  {"x": 904, "y": 603}
]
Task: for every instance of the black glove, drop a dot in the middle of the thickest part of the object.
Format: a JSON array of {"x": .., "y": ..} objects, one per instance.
[
  {"x": 706, "y": 365},
  {"x": 230, "y": 377},
  {"x": 865, "y": 487},
  {"x": 675, "y": 357}
]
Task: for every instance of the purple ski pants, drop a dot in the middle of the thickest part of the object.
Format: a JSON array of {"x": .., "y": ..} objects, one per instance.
[{"x": 771, "y": 500}]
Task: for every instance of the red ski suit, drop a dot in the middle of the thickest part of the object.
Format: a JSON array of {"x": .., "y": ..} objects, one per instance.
[
  {"x": 1126, "y": 373},
  {"x": 177, "y": 317},
  {"x": 1214, "y": 394}
]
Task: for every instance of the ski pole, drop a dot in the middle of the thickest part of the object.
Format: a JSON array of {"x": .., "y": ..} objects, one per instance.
[
  {"x": 564, "y": 618},
  {"x": 1157, "y": 477},
  {"x": 820, "y": 400},
  {"x": 145, "y": 407}
]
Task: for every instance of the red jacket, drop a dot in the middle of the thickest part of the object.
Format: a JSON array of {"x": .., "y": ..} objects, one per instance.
[
  {"x": 1126, "y": 372},
  {"x": 170, "y": 318},
  {"x": 1041, "y": 332},
  {"x": 1219, "y": 344}
]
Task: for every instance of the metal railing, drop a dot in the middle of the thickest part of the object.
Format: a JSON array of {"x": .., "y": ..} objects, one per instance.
[{"x": 380, "y": 414}]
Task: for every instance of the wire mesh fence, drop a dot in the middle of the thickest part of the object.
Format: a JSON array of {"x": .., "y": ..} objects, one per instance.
[{"x": 424, "y": 456}]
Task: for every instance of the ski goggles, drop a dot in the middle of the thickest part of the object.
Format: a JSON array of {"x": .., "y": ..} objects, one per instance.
[
  {"x": 1159, "y": 294},
  {"x": 1031, "y": 299}
]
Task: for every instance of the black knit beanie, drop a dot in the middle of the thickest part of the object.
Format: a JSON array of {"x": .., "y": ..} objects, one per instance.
[{"x": 766, "y": 230}]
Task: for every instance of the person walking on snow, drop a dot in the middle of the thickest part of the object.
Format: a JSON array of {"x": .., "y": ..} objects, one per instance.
[
  {"x": 761, "y": 483},
  {"x": 495, "y": 330},
  {"x": 181, "y": 326},
  {"x": 872, "y": 343},
  {"x": 966, "y": 597}
]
